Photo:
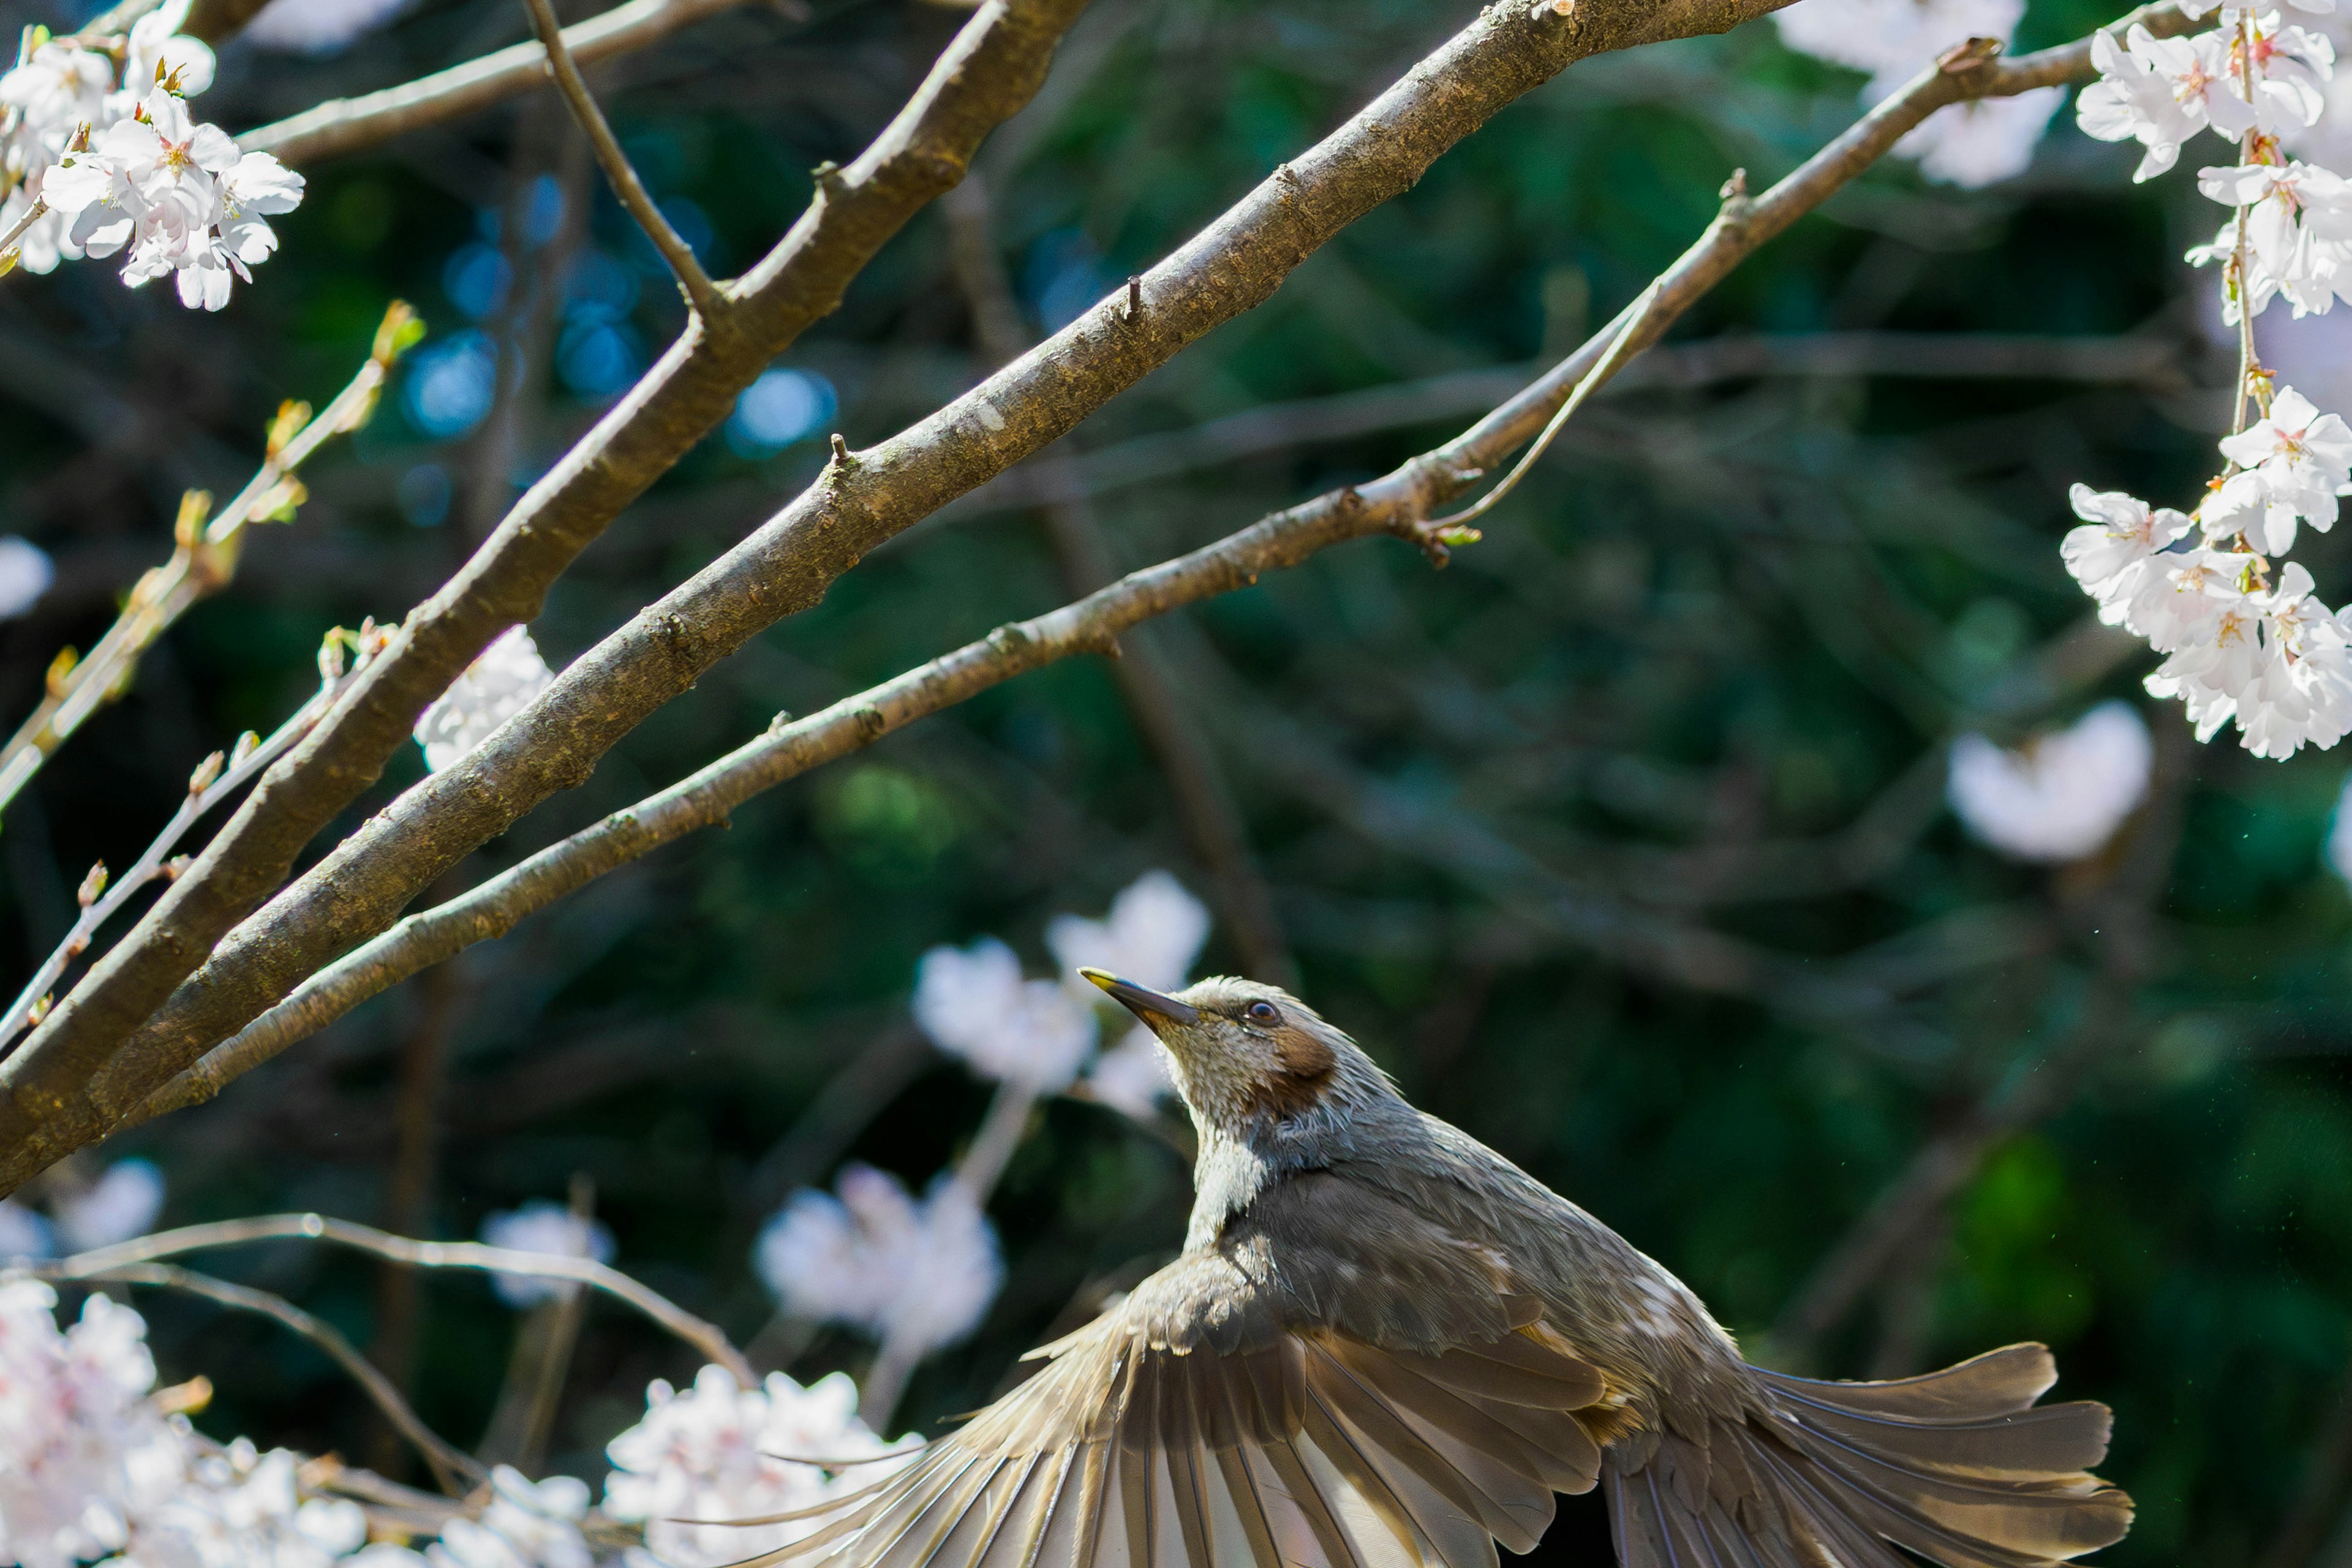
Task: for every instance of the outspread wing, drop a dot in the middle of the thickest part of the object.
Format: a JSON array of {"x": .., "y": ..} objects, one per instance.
[{"x": 1193, "y": 1428}]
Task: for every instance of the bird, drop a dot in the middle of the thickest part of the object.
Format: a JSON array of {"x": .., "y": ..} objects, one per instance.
[{"x": 1384, "y": 1345}]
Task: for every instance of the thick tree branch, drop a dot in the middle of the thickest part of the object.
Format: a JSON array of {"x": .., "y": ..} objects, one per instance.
[
  {"x": 1395, "y": 505},
  {"x": 65, "y": 1098},
  {"x": 696, "y": 283},
  {"x": 346, "y": 124},
  {"x": 991, "y": 69}
]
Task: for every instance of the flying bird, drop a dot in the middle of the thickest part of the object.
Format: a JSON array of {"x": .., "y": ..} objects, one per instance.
[{"x": 1386, "y": 1346}]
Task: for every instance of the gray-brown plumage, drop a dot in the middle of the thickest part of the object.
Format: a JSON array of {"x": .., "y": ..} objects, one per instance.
[{"x": 1385, "y": 1346}]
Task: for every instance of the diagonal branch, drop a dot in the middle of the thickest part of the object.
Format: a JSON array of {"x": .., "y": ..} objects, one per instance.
[
  {"x": 986, "y": 74},
  {"x": 64, "y": 1092},
  {"x": 691, "y": 279},
  {"x": 1395, "y": 505},
  {"x": 860, "y": 500},
  {"x": 457, "y": 1471},
  {"x": 347, "y": 124}
]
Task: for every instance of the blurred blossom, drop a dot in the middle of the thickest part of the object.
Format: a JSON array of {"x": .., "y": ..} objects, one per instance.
[
  {"x": 1972, "y": 144},
  {"x": 82, "y": 1452},
  {"x": 496, "y": 686},
  {"x": 23, "y": 1232},
  {"x": 918, "y": 1273},
  {"x": 319, "y": 27},
  {"x": 2061, "y": 797},
  {"x": 547, "y": 1227},
  {"x": 475, "y": 277},
  {"x": 528, "y": 1524},
  {"x": 599, "y": 360},
  {"x": 239, "y": 1508},
  {"x": 450, "y": 384},
  {"x": 782, "y": 407},
  {"x": 973, "y": 1003},
  {"x": 1133, "y": 1076},
  {"x": 25, "y": 574},
  {"x": 721, "y": 1451},
  {"x": 119, "y": 1205},
  {"x": 1151, "y": 936}
]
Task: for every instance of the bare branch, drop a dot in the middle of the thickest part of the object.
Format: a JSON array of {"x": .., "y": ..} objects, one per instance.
[
  {"x": 1396, "y": 504},
  {"x": 230, "y": 773},
  {"x": 985, "y": 75},
  {"x": 203, "y": 561},
  {"x": 346, "y": 124},
  {"x": 706, "y": 1338},
  {"x": 457, "y": 1471},
  {"x": 8, "y": 249},
  {"x": 700, "y": 290}
]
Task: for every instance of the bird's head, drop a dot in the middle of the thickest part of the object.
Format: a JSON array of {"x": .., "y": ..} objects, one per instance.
[{"x": 1249, "y": 1057}]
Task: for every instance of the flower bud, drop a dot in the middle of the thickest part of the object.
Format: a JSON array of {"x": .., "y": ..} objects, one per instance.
[
  {"x": 206, "y": 770},
  {"x": 91, "y": 886}
]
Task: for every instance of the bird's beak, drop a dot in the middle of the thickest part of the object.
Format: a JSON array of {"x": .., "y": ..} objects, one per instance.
[{"x": 1148, "y": 1005}]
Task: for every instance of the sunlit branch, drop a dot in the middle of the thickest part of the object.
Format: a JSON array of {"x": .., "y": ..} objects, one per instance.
[
  {"x": 704, "y": 294},
  {"x": 346, "y": 124},
  {"x": 203, "y": 561}
]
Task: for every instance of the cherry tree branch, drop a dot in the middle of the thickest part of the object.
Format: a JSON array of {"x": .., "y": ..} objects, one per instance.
[
  {"x": 1397, "y": 505},
  {"x": 347, "y": 124},
  {"x": 706, "y": 1338},
  {"x": 986, "y": 74},
  {"x": 696, "y": 283},
  {"x": 202, "y": 564},
  {"x": 65, "y": 1090}
]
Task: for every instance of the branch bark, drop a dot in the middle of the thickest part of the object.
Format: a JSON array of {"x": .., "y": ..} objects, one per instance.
[
  {"x": 347, "y": 124},
  {"x": 68, "y": 1094},
  {"x": 991, "y": 69},
  {"x": 1397, "y": 505}
]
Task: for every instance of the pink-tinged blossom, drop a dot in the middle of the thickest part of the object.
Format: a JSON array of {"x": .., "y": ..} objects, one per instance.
[
  {"x": 2060, "y": 798},
  {"x": 915, "y": 1272},
  {"x": 123, "y": 1202},
  {"x": 716, "y": 1450},
  {"x": 1133, "y": 1076},
  {"x": 1151, "y": 935},
  {"x": 973, "y": 1003},
  {"x": 2295, "y": 461},
  {"x": 2160, "y": 92}
]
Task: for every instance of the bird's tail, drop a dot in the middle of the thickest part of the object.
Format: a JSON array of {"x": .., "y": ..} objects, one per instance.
[{"x": 1960, "y": 1467}]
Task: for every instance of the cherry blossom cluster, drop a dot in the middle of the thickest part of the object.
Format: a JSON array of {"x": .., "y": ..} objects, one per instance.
[
  {"x": 2246, "y": 642},
  {"x": 100, "y": 157},
  {"x": 916, "y": 1272}
]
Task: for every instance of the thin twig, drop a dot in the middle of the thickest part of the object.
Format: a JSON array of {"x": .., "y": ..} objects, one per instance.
[
  {"x": 1396, "y": 504},
  {"x": 703, "y": 294},
  {"x": 203, "y": 561},
  {"x": 706, "y": 1338},
  {"x": 346, "y": 124},
  {"x": 8, "y": 241},
  {"x": 251, "y": 755},
  {"x": 457, "y": 1471}
]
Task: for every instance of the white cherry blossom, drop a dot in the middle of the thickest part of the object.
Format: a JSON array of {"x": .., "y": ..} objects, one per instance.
[
  {"x": 2295, "y": 462},
  {"x": 919, "y": 1273},
  {"x": 2160, "y": 93},
  {"x": 541, "y": 1225},
  {"x": 122, "y": 1204},
  {"x": 973, "y": 1003},
  {"x": 716, "y": 1450},
  {"x": 1133, "y": 1076},
  {"x": 503, "y": 681},
  {"x": 2060, "y": 798},
  {"x": 1151, "y": 935}
]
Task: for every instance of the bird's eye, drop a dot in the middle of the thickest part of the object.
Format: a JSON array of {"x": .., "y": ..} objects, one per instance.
[{"x": 1263, "y": 1012}]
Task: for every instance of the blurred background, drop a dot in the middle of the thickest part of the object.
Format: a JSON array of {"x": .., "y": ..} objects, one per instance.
[{"x": 1626, "y": 843}]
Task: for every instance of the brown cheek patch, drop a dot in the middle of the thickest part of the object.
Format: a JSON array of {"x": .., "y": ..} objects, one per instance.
[{"x": 1302, "y": 1066}]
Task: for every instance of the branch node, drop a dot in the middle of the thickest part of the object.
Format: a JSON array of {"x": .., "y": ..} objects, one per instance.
[
  {"x": 1963, "y": 57},
  {"x": 829, "y": 178},
  {"x": 870, "y": 723},
  {"x": 1008, "y": 639},
  {"x": 780, "y": 723},
  {"x": 1135, "y": 297},
  {"x": 842, "y": 455}
]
